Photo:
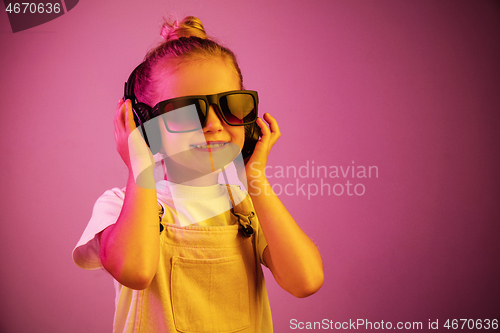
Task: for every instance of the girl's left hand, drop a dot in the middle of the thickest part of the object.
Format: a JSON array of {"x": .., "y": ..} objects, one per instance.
[{"x": 256, "y": 165}]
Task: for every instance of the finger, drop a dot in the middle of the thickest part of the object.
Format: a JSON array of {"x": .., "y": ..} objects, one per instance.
[
  {"x": 264, "y": 130},
  {"x": 273, "y": 124},
  {"x": 119, "y": 120},
  {"x": 274, "y": 129},
  {"x": 129, "y": 116},
  {"x": 119, "y": 107},
  {"x": 263, "y": 127}
]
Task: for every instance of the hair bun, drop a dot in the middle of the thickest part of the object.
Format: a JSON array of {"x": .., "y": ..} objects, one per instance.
[{"x": 189, "y": 27}]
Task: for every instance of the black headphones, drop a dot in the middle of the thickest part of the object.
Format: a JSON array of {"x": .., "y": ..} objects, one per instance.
[{"x": 143, "y": 113}]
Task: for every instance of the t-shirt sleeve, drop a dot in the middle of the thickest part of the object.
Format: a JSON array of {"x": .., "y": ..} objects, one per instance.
[{"x": 106, "y": 210}]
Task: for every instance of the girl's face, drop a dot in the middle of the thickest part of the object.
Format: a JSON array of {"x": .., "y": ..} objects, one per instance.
[{"x": 217, "y": 144}]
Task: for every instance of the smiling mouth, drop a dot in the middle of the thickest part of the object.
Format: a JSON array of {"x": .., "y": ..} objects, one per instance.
[{"x": 210, "y": 145}]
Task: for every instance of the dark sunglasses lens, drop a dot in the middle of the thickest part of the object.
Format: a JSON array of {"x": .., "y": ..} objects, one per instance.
[
  {"x": 238, "y": 109},
  {"x": 184, "y": 115}
]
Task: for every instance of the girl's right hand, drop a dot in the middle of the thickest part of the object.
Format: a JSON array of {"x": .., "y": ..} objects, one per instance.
[{"x": 130, "y": 144}]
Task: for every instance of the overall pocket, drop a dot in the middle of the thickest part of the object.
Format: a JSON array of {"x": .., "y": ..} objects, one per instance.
[{"x": 210, "y": 295}]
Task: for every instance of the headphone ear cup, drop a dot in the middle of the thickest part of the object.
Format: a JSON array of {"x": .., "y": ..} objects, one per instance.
[
  {"x": 252, "y": 134},
  {"x": 154, "y": 136},
  {"x": 142, "y": 115},
  {"x": 143, "y": 112},
  {"x": 152, "y": 131}
]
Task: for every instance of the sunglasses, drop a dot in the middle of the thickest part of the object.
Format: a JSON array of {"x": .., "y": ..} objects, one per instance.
[{"x": 189, "y": 113}]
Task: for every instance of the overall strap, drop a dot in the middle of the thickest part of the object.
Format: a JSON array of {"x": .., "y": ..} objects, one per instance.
[
  {"x": 161, "y": 212},
  {"x": 243, "y": 212}
]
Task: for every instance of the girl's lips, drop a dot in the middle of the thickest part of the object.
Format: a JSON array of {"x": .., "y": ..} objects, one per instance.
[{"x": 210, "y": 146}]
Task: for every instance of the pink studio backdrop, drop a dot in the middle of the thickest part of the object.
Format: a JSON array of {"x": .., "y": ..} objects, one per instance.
[{"x": 409, "y": 88}]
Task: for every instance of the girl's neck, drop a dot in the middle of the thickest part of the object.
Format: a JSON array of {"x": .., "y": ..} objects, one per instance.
[{"x": 206, "y": 180}]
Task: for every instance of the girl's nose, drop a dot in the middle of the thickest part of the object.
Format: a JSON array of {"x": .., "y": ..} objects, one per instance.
[{"x": 214, "y": 123}]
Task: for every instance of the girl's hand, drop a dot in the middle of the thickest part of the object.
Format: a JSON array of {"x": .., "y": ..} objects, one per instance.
[
  {"x": 256, "y": 165},
  {"x": 130, "y": 144}
]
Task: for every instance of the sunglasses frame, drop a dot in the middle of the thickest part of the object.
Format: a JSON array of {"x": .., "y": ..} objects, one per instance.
[{"x": 209, "y": 100}]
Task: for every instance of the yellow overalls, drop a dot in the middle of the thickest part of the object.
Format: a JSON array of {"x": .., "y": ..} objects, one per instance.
[{"x": 208, "y": 280}]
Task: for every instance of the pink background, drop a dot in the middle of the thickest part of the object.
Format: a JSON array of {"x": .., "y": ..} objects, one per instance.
[{"x": 411, "y": 87}]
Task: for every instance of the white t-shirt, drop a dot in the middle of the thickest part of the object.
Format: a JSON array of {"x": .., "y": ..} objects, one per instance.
[{"x": 189, "y": 205}]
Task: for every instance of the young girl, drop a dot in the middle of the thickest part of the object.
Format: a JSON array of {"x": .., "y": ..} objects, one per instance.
[{"x": 199, "y": 268}]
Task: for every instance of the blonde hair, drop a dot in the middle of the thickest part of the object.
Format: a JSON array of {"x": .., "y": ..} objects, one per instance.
[
  {"x": 189, "y": 27},
  {"x": 183, "y": 41}
]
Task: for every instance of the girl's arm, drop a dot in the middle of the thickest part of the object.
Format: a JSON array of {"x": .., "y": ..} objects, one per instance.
[
  {"x": 130, "y": 248},
  {"x": 291, "y": 256}
]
